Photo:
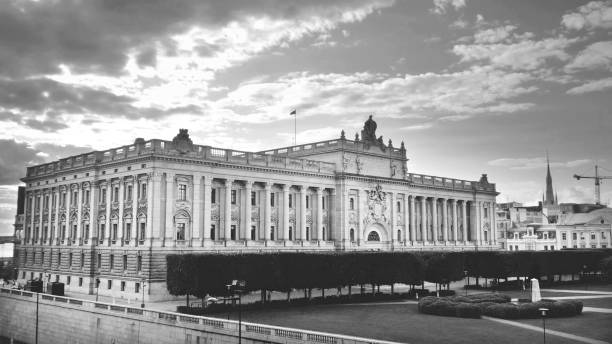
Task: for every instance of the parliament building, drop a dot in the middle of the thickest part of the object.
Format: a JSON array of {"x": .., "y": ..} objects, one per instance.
[{"x": 103, "y": 222}]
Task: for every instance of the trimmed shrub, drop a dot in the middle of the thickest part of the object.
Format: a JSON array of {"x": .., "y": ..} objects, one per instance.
[
  {"x": 502, "y": 310},
  {"x": 467, "y": 310}
]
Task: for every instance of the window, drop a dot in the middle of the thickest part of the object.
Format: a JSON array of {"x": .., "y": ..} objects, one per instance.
[
  {"x": 139, "y": 263},
  {"x": 253, "y": 233},
  {"x": 324, "y": 232},
  {"x": 103, "y": 196},
  {"x": 80, "y": 281},
  {"x": 122, "y": 286},
  {"x": 128, "y": 193},
  {"x": 182, "y": 196},
  {"x": 307, "y": 202},
  {"x": 102, "y": 228},
  {"x": 212, "y": 232},
  {"x": 253, "y": 198},
  {"x": 75, "y": 197},
  {"x": 63, "y": 231},
  {"x": 128, "y": 232},
  {"x": 373, "y": 236},
  {"x": 109, "y": 284},
  {"x": 45, "y": 232},
  {"x": 290, "y": 233},
  {"x": 574, "y": 236},
  {"x": 70, "y": 259},
  {"x": 87, "y": 196},
  {"x": 233, "y": 232},
  {"x": 352, "y": 233},
  {"x": 137, "y": 287},
  {"x": 213, "y": 196},
  {"x": 592, "y": 236},
  {"x": 180, "y": 231},
  {"x": 63, "y": 199},
  {"x": 399, "y": 207},
  {"x": 112, "y": 261},
  {"x": 233, "y": 195},
  {"x": 56, "y": 277},
  {"x": 86, "y": 231},
  {"x": 114, "y": 231},
  {"x": 272, "y": 232},
  {"x": 307, "y": 233},
  {"x": 290, "y": 201},
  {"x": 143, "y": 191},
  {"x": 322, "y": 202},
  {"x": 545, "y": 248},
  {"x": 352, "y": 204},
  {"x": 399, "y": 235},
  {"x": 68, "y": 279},
  {"x": 552, "y": 247},
  {"x": 82, "y": 260},
  {"x": 125, "y": 262},
  {"x": 99, "y": 262},
  {"x": 563, "y": 236},
  {"x": 603, "y": 235},
  {"x": 271, "y": 199},
  {"x": 116, "y": 194},
  {"x": 143, "y": 231}
]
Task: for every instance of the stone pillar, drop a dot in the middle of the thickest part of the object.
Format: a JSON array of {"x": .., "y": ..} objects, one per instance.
[
  {"x": 303, "y": 192},
  {"x": 120, "y": 224},
  {"x": 444, "y": 220},
  {"x": 494, "y": 222},
  {"x": 412, "y": 221},
  {"x": 246, "y": 231},
  {"x": 56, "y": 225},
  {"x": 227, "y": 210},
  {"x": 434, "y": 219},
  {"x": 153, "y": 206},
  {"x": 424, "y": 231},
  {"x": 79, "y": 233},
  {"x": 93, "y": 214},
  {"x": 363, "y": 211},
  {"x": 267, "y": 211},
  {"x": 134, "y": 239},
  {"x": 68, "y": 215},
  {"x": 169, "y": 229},
  {"x": 454, "y": 219},
  {"x": 393, "y": 216},
  {"x": 319, "y": 225},
  {"x": 193, "y": 235},
  {"x": 464, "y": 220},
  {"x": 286, "y": 211},
  {"x": 107, "y": 232},
  {"x": 207, "y": 205}
]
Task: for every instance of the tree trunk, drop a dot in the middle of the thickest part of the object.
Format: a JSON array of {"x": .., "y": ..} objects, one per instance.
[
  {"x": 373, "y": 289},
  {"x": 263, "y": 296},
  {"x": 187, "y": 300},
  {"x": 289, "y": 296},
  {"x": 349, "y": 291},
  {"x": 392, "y": 288},
  {"x": 305, "y": 293},
  {"x": 323, "y": 293}
]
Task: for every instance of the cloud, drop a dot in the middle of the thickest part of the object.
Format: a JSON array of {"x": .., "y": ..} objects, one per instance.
[
  {"x": 592, "y": 86},
  {"x": 594, "y": 15},
  {"x": 16, "y": 156},
  {"x": 534, "y": 163},
  {"x": 442, "y": 6},
  {"x": 595, "y": 56},
  {"x": 494, "y": 35},
  {"x": 421, "y": 126}
]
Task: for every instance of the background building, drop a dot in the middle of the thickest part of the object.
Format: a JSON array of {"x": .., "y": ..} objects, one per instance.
[{"x": 103, "y": 222}]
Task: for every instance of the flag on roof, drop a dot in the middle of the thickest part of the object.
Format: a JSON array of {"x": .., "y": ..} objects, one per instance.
[{"x": 294, "y": 112}]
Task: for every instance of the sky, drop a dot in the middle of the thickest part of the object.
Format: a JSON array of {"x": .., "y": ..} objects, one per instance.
[{"x": 469, "y": 86}]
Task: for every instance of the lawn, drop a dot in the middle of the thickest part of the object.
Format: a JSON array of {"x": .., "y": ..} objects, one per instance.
[
  {"x": 395, "y": 322},
  {"x": 589, "y": 324}
]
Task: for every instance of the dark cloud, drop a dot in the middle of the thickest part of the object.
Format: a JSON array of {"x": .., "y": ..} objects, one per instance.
[
  {"x": 48, "y": 125},
  {"x": 16, "y": 156},
  {"x": 94, "y": 36},
  {"x": 147, "y": 57}
]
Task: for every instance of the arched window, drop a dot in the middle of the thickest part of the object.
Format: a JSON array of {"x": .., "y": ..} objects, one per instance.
[
  {"x": 373, "y": 236},
  {"x": 352, "y": 204},
  {"x": 290, "y": 233},
  {"x": 399, "y": 235},
  {"x": 324, "y": 234},
  {"x": 352, "y": 234}
]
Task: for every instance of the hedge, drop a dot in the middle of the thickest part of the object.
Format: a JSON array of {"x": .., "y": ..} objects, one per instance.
[
  {"x": 556, "y": 309},
  {"x": 208, "y": 274}
]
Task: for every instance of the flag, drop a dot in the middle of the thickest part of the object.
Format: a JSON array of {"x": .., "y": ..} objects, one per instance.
[{"x": 294, "y": 112}]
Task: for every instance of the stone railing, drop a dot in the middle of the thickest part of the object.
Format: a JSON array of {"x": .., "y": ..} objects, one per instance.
[
  {"x": 255, "y": 332},
  {"x": 330, "y": 144},
  {"x": 167, "y": 148},
  {"x": 450, "y": 183}
]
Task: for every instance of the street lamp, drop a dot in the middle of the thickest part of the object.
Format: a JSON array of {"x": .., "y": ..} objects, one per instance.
[
  {"x": 465, "y": 273},
  {"x": 543, "y": 312},
  {"x": 586, "y": 285},
  {"x": 238, "y": 287},
  {"x": 97, "y": 288},
  {"x": 142, "y": 305}
]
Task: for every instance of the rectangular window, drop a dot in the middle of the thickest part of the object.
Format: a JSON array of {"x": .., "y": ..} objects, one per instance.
[
  {"x": 128, "y": 232},
  {"x": 574, "y": 236},
  {"x": 125, "y": 262},
  {"x": 139, "y": 263},
  {"x": 87, "y": 196},
  {"x": 82, "y": 260},
  {"x": 143, "y": 231},
  {"x": 112, "y": 261},
  {"x": 99, "y": 262},
  {"x": 253, "y": 198},
  {"x": 128, "y": 193},
  {"x": 233, "y": 232},
  {"x": 68, "y": 279},
  {"x": 290, "y": 201},
  {"x": 323, "y": 202},
  {"x": 180, "y": 231},
  {"x": 70, "y": 259},
  {"x": 86, "y": 231},
  {"x": 80, "y": 281},
  {"x": 143, "y": 192},
  {"x": 307, "y": 202},
  {"x": 114, "y": 231},
  {"x": 212, "y": 232},
  {"x": 213, "y": 196},
  {"x": 103, "y": 196},
  {"x": 182, "y": 196},
  {"x": 563, "y": 236},
  {"x": 64, "y": 199},
  {"x": 271, "y": 199},
  {"x": 592, "y": 236},
  {"x": 116, "y": 194},
  {"x": 233, "y": 195},
  {"x": 75, "y": 197},
  {"x": 253, "y": 232},
  {"x": 109, "y": 284},
  {"x": 101, "y": 235},
  {"x": 137, "y": 287}
]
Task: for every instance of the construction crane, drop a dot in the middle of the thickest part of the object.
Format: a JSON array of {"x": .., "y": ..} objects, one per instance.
[{"x": 598, "y": 180}]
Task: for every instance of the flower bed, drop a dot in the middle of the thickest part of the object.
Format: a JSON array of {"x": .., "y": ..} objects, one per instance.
[{"x": 496, "y": 305}]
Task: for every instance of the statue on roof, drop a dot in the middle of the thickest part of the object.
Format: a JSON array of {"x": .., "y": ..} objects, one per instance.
[
  {"x": 369, "y": 130},
  {"x": 182, "y": 142}
]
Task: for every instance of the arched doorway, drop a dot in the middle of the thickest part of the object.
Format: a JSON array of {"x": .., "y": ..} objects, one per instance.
[{"x": 373, "y": 236}]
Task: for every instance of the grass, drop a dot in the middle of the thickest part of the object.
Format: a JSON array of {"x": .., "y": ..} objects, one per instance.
[
  {"x": 589, "y": 324},
  {"x": 395, "y": 322}
]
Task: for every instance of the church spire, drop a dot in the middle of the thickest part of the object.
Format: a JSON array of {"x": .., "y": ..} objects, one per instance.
[{"x": 550, "y": 196}]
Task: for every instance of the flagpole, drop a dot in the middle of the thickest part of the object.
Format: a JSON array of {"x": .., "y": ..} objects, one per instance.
[{"x": 295, "y": 129}]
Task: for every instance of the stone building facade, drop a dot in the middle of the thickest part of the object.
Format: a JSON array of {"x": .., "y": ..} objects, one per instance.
[{"x": 103, "y": 222}]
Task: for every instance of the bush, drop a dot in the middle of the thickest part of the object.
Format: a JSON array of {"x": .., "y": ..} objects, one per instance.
[{"x": 467, "y": 310}]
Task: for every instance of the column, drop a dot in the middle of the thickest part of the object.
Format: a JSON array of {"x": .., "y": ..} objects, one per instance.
[
  {"x": 267, "y": 211},
  {"x": 454, "y": 218},
  {"x": 68, "y": 237},
  {"x": 153, "y": 206},
  {"x": 464, "y": 221},
  {"x": 444, "y": 220},
  {"x": 80, "y": 228},
  {"x": 476, "y": 223},
  {"x": 169, "y": 229},
  {"x": 227, "y": 210},
  {"x": 49, "y": 219},
  {"x": 206, "y": 220},
  {"x": 363, "y": 211},
  {"x": 494, "y": 223},
  {"x": 424, "y": 231},
  {"x": 57, "y": 216},
  {"x": 286, "y": 211},
  {"x": 40, "y": 218},
  {"x": 108, "y": 229},
  {"x": 319, "y": 194},
  {"x": 135, "y": 225},
  {"x": 303, "y": 192},
  {"x": 393, "y": 215},
  {"x": 412, "y": 221},
  {"x": 196, "y": 224},
  {"x": 407, "y": 219},
  {"x": 120, "y": 224},
  {"x": 246, "y": 230},
  {"x": 434, "y": 219}
]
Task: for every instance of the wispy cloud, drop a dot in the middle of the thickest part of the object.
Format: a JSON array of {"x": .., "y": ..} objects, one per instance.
[{"x": 534, "y": 163}]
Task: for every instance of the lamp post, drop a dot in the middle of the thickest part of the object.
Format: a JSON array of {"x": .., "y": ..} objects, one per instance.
[
  {"x": 586, "y": 285},
  {"x": 142, "y": 305},
  {"x": 36, "y": 340},
  {"x": 238, "y": 286},
  {"x": 465, "y": 273},
  {"x": 97, "y": 288},
  {"x": 543, "y": 312}
]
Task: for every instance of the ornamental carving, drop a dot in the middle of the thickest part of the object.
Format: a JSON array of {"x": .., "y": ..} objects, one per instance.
[
  {"x": 235, "y": 213},
  {"x": 353, "y": 218},
  {"x": 255, "y": 213},
  {"x": 182, "y": 205},
  {"x": 309, "y": 219},
  {"x": 214, "y": 212},
  {"x": 182, "y": 142},
  {"x": 378, "y": 210},
  {"x": 274, "y": 215},
  {"x": 292, "y": 215}
]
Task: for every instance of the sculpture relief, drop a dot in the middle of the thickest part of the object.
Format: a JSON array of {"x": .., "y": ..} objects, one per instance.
[{"x": 378, "y": 211}]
